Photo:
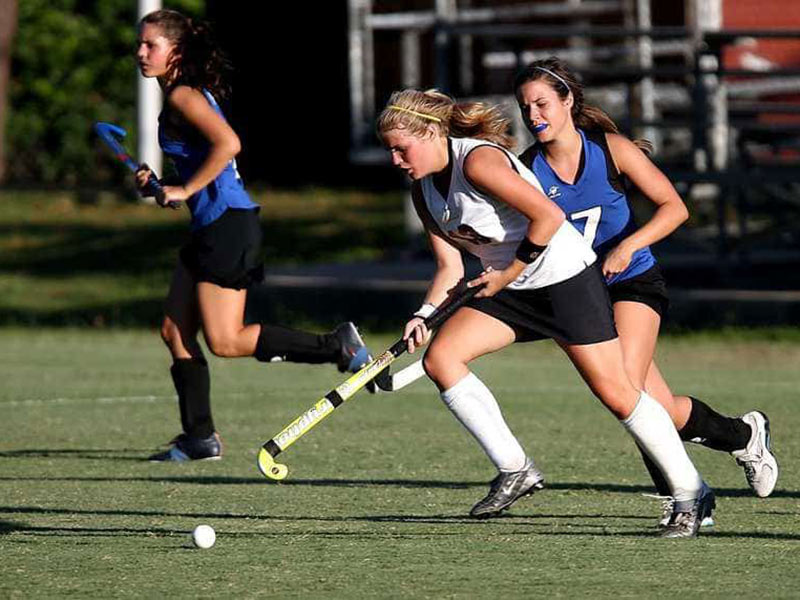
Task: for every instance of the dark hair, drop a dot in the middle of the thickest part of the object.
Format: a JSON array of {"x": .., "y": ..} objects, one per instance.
[
  {"x": 561, "y": 78},
  {"x": 198, "y": 61}
]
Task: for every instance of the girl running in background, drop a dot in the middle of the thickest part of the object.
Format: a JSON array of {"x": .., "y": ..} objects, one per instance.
[
  {"x": 541, "y": 281},
  {"x": 585, "y": 166},
  {"x": 223, "y": 257}
]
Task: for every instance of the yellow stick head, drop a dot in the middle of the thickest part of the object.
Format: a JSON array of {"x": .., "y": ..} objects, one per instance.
[{"x": 269, "y": 468}]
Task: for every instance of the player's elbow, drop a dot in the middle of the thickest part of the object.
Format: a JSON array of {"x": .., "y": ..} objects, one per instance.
[
  {"x": 682, "y": 213},
  {"x": 234, "y": 145},
  {"x": 231, "y": 146},
  {"x": 227, "y": 146}
]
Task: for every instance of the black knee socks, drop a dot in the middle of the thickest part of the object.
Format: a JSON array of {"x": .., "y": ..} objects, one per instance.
[
  {"x": 707, "y": 427},
  {"x": 713, "y": 430},
  {"x": 192, "y": 382},
  {"x": 284, "y": 344}
]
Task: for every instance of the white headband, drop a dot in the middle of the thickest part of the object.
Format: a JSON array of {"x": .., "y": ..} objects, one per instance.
[{"x": 555, "y": 76}]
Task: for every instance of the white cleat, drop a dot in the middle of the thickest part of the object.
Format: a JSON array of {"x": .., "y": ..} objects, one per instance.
[{"x": 759, "y": 464}]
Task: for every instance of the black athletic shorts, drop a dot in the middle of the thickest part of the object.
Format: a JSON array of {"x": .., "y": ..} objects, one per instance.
[
  {"x": 576, "y": 311},
  {"x": 227, "y": 252},
  {"x": 649, "y": 288}
]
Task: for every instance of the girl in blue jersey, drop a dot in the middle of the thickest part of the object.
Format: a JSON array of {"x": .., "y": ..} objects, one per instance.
[
  {"x": 223, "y": 257},
  {"x": 585, "y": 166}
]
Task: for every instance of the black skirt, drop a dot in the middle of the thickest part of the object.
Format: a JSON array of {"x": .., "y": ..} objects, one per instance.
[
  {"x": 648, "y": 288},
  {"x": 576, "y": 311},
  {"x": 227, "y": 252}
]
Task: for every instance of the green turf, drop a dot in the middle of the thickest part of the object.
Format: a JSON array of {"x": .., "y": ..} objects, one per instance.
[{"x": 375, "y": 501}]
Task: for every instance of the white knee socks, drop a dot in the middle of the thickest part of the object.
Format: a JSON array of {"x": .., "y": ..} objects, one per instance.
[
  {"x": 475, "y": 407},
  {"x": 650, "y": 425}
]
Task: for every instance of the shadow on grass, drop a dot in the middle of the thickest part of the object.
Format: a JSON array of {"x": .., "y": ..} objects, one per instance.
[
  {"x": 129, "y": 454},
  {"x": 8, "y": 527},
  {"x": 530, "y": 524},
  {"x": 400, "y": 483}
]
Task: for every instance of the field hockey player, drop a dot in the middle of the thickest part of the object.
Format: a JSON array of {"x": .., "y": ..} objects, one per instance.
[
  {"x": 588, "y": 168},
  {"x": 223, "y": 257}
]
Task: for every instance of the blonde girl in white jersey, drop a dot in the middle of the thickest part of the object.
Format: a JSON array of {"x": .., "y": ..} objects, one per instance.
[{"x": 540, "y": 279}]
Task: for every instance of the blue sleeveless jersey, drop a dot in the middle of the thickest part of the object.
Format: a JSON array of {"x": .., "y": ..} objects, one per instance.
[
  {"x": 226, "y": 191},
  {"x": 596, "y": 203}
]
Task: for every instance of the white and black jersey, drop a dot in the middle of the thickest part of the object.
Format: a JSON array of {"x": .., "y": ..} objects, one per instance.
[
  {"x": 492, "y": 230},
  {"x": 560, "y": 295}
]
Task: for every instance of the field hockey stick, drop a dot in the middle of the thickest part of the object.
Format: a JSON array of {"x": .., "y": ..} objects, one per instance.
[
  {"x": 109, "y": 134},
  {"x": 336, "y": 397},
  {"x": 393, "y": 382}
]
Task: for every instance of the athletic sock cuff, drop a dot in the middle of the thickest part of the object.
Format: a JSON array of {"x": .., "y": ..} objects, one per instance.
[{"x": 637, "y": 410}]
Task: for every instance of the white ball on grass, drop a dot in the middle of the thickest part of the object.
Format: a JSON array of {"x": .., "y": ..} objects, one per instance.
[{"x": 204, "y": 536}]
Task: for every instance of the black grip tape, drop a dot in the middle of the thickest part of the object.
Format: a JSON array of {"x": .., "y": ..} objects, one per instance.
[
  {"x": 334, "y": 398},
  {"x": 272, "y": 448}
]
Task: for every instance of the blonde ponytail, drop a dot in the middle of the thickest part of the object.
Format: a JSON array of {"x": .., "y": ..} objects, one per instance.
[{"x": 422, "y": 112}]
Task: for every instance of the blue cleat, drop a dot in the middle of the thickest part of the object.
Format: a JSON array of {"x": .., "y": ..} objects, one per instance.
[{"x": 354, "y": 354}]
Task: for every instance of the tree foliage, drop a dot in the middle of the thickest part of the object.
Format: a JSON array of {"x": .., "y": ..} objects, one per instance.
[{"x": 72, "y": 64}]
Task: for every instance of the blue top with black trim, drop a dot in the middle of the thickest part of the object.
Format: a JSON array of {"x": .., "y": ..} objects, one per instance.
[
  {"x": 188, "y": 150},
  {"x": 596, "y": 203}
]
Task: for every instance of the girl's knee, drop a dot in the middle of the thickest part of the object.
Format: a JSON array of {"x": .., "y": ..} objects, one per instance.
[
  {"x": 170, "y": 333},
  {"x": 433, "y": 364},
  {"x": 442, "y": 367},
  {"x": 618, "y": 396}
]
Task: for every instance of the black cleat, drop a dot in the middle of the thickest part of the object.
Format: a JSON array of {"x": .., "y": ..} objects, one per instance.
[
  {"x": 507, "y": 488},
  {"x": 185, "y": 448}
]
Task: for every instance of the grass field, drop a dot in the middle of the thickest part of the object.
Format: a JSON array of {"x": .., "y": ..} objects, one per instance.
[{"x": 375, "y": 502}]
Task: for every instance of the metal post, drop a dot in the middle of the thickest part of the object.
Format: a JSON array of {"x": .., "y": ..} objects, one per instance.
[
  {"x": 707, "y": 16},
  {"x": 362, "y": 93},
  {"x": 445, "y": 11},
  {"x": 580, "y": 45},
  {"x": 647, "y": 93},
  {"x": 466, "y": 68},
  {"x": 149, "y": 105},
  {"x": 410, "y": 58}
]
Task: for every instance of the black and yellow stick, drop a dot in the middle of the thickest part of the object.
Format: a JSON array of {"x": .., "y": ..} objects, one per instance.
[{"x": 336, "y": 397}]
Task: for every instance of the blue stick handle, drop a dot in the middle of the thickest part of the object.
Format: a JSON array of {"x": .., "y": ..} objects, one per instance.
[{"x": 109, "y": 133}]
